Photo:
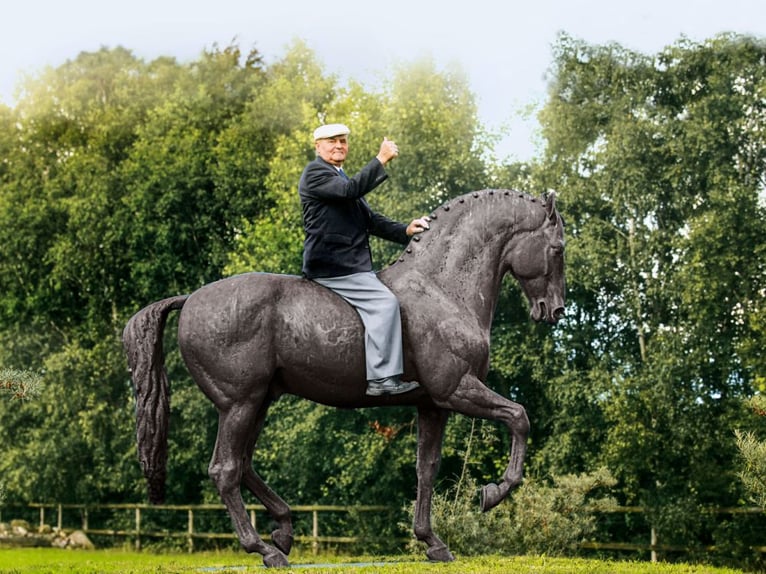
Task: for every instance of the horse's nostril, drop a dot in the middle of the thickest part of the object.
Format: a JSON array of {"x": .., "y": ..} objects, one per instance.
[{"x": 559, "y": 312}]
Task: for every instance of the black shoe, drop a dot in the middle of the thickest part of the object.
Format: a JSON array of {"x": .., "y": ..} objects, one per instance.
[{"x": 389, "y": 386}]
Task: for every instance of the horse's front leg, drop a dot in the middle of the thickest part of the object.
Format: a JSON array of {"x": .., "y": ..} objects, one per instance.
[
  {"x": 474, "y": 398},
  {"x": 431, "y": 423}
]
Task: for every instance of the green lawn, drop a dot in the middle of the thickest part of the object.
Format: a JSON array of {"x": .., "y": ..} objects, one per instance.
[{"x": 55, "y": 561}]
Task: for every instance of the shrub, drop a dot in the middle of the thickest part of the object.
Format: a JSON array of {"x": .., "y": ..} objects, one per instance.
[
  {"x": 19, "y": 384},
  {"x": 753, "y": 455},
  {"x": 542, "y": 517}
]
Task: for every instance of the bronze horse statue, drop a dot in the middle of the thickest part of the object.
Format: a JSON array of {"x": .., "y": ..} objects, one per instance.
[{"x": 250, "y": 338}]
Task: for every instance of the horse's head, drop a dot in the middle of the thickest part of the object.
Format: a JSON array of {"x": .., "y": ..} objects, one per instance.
[{"x": 537, "y": 262}]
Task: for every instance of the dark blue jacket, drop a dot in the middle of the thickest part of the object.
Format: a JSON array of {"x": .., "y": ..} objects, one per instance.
[{"x": 338, "y": 221}]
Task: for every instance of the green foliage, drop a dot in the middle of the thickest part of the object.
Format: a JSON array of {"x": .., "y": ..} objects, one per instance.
[
  {"x": 540, "y": 519},
  {"x": 752, "y": 450},
  {"x": 274, "y": 241},
  {"x": 69, "y": 444},
  {"x": 659, "y": 169},
  {"x": 552, "y": 519},
  {"x": 433, "y": 117},
  {"x": 369, "y": 456},
  {"x": 108, "y": 202},
  {"x": 19, "y": 384}
]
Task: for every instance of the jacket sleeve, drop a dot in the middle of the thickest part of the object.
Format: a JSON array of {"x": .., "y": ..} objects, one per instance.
[
  {"x": 382, "y": 226},
  {"x": 320, "y": 180}
]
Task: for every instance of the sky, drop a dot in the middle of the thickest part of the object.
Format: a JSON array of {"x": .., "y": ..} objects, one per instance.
[{"x": 504, "y": 47}]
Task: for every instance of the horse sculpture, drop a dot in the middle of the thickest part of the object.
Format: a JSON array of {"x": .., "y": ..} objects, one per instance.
[{"x": 250, "y": 338}]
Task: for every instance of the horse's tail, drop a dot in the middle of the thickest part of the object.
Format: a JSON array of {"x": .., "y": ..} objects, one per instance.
[{"x": 142, "y": 341}]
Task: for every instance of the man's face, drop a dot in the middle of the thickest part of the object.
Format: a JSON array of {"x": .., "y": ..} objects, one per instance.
[{"x": 333, "y": 150}]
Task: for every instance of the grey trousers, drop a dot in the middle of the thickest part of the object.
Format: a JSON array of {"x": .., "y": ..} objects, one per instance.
[{"x": 379, "y": 311}]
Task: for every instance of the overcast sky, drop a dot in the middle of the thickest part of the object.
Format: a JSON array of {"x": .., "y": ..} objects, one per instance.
[{"x": 503, "y": 46}]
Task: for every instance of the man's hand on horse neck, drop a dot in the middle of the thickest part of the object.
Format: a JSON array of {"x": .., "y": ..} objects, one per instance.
[{"x": 418, "y": 226}]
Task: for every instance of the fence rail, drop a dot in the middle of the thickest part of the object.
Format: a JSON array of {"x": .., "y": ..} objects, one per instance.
[{"x": 140, "y": 531}]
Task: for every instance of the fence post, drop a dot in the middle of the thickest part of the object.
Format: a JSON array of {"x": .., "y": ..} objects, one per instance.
[
  {"x": 190, "y": 530},
  {"x": 42, "y": 517},
  {"x": 138, "y": 528},
  {"x": 315, "y": 532},
  {"x": 653, "y": 542},
  {"x": 59, "y": 520},
  {"x": 85, "y": 519}
]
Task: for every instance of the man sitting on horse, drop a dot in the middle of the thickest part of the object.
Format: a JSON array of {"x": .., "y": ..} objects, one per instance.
[{"x": 338, "y": 222}]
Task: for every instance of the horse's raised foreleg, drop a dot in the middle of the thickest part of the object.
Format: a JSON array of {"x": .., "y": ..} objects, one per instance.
[
  {"x": 275, "y": 506},
  {"x": 235, "y": 434},
  {"x": 431, "y": 423},
  {"x": 474, "y": 398}
]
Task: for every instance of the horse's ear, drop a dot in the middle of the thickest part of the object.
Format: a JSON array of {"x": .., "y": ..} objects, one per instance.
[{"x": 550, "y": 205}]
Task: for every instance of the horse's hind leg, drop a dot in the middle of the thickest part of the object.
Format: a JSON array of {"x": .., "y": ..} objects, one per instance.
[
  {"x": 275, "y": 506},
  {"x": 431, "y": 423},
  {"x": 236, "y": 433},
  {"x": 474, "y": 398}
]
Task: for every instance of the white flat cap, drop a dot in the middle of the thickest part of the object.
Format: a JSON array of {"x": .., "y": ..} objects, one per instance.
[{"x": 330, "y": 131}]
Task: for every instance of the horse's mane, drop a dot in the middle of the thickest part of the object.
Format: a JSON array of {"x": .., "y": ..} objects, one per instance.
[
  {"x": 444, "y": 217},
  {"x": 449, "y": 207}
]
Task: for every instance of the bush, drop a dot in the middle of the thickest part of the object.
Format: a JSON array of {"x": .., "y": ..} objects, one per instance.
[
  {"x": 753, "y": 454},
  {"x": 19, "y": 384},
  {"x": 540, "y": 518}
]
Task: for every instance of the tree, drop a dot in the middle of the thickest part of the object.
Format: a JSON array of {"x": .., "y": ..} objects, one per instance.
[
  {"x": 433, "y": 117},
  {"x": 659, "y": 170},
  {"x": 287, "y": 108},
  {"x": 111, "y": 201}
]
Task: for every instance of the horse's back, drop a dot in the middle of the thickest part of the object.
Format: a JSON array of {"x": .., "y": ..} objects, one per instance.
[
  {"x": 264, "y": 305},
  {"x": 235, "y": 305}
]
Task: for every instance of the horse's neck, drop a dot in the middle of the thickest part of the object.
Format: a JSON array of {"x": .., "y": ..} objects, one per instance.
[{"x": 463, "y": 253}]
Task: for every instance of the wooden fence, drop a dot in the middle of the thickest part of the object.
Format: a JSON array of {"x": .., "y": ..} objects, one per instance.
[
  {"x": 654, "y": 546},
  {"x": 315, "y": 539},
  {"x": 191, "y": 533}
]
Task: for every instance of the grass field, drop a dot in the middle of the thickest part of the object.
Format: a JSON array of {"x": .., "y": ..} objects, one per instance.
[{"x": 54, "y": 561}]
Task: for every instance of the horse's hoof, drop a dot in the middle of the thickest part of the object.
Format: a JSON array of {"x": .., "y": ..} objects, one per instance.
[
  {"x": 282, "y": 540},
  {"x": 491, "y": 495},
  {"x": 440, "y": 554},
  {"x": 275, "y": 559}
]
